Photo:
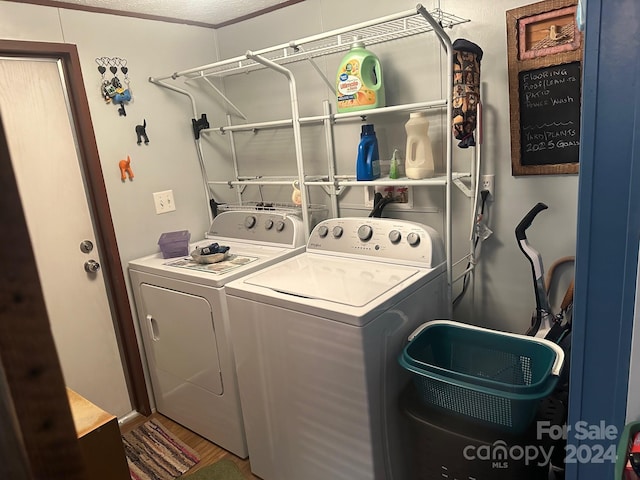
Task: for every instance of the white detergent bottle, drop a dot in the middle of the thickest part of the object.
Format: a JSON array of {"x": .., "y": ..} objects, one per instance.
[{"x": 418, "y": 162}]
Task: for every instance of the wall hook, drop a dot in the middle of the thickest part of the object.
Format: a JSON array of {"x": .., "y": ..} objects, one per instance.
[
  {"x": 125, "y": 169},
  {"x": 141, "y": 132}
]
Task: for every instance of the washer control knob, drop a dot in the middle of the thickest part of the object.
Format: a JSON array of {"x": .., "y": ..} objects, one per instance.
[
  {"x": 413, "y": 239},
  {"x": 365, "y": 232},
  {"x": 394, "y": 236},
  {"x": 279, "y": 225},
  {"x": 250, "y": 221},
  {"x": 323, "y": 231},
  {"x": 337, "y": 232},
  {"x": 268, "y": 225}
]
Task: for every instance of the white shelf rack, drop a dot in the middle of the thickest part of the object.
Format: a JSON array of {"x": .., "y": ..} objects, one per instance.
[
  {"x": 384, "y": 29},
  {"x": 440, "y": 180},
  {"x": 282, "y": 207},
  {"x": 333, "y": 117}
]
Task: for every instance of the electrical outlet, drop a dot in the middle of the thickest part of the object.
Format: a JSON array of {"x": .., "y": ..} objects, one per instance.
[
  {"x": 486, "y": 183},
  {"x": 402, "y": 195},
  {"x": 387, "y": 191},
  {"x": 164, "y": 201}
]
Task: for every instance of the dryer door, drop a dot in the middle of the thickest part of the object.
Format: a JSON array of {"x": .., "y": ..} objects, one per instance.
[{"x": 181, "y": 344}]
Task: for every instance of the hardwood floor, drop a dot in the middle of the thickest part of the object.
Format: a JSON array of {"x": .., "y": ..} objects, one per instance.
[{"x": 209, "y": 452}]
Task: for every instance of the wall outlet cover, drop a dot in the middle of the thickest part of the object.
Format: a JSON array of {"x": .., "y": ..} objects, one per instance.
[
  {"x": 487, "y": 183},
  {"x": 402, "y": 194}
]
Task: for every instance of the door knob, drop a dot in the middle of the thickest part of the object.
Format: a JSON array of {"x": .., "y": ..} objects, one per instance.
[{"x": 91, "y": 266}]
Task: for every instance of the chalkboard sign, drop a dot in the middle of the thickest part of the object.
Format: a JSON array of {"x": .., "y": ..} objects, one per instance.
[
  {"x": 544, "y": 53},
  {"x": 550, "y": 115}
]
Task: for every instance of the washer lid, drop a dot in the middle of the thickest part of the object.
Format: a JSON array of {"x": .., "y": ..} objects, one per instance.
[{"x": 345, "y": 281}]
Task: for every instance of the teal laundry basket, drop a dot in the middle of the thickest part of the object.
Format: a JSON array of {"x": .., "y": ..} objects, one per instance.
[{"x": 493, "y": 377}]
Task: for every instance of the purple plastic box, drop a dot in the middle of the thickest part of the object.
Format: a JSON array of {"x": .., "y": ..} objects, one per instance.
[{"x": 174, "y": 244}]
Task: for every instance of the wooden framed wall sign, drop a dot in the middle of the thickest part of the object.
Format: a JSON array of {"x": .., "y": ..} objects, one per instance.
[{"x": 544, "y": 49}]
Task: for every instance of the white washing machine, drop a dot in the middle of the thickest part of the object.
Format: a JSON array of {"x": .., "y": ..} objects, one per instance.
[
  {"x": 185, "y": 324},
  {"x": 317, "y": 339}
]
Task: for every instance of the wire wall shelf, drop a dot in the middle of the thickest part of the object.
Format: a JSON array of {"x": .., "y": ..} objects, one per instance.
[
  {"x": 390, "y": 28},
  {"x": 279, "y": 207}
]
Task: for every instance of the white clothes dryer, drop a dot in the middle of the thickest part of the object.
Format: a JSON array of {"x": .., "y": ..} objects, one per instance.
[
  {"x": 317, "y": 339},
  {"x": 184, "y": 322}
]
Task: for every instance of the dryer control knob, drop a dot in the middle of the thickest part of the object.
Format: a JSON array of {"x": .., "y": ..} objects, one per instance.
[
  {"x": 323, "y": 231},
  {"x": 337, "y": 232},
  {"x": 365, "y": 232},
  {"x": 413, "y": 239},
  {"x": 395, "y": 236},
  {"x": 279, "y": 225},
  {"x": 250, "y": 221},
  {"x": 268, "y": 225}
]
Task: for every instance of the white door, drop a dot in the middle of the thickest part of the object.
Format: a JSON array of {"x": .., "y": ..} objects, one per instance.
[{"x": 35, "y": 111}]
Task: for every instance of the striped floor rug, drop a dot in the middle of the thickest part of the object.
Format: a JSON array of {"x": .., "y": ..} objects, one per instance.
[{"x": 154, "y": 453}]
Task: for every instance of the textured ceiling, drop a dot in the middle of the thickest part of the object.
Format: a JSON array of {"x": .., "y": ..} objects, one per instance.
[{"x": 213, "y": 12}]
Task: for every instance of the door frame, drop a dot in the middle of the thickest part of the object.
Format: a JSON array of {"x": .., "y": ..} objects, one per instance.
[
  {"x": 37, "y": 433},
  {"x": 608, "y": 231},
  {"x": 99, "y": 206}
]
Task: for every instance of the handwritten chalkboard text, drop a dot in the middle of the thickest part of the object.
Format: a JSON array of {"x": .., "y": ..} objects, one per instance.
[{"x": 550, "y": 114}]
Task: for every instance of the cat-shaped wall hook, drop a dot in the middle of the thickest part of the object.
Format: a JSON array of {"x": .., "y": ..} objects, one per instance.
[
  {"x": 125, "y": 169},
  {"x": 141, "y": 132}
]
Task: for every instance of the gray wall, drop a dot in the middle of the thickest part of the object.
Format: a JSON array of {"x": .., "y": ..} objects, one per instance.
[
  {"x": 502, "y": 296},
  {"x": 503, "y": 293},
  {"x": 169, "y": 161}
]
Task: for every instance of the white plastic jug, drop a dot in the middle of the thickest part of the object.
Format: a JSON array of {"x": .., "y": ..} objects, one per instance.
[{"x": 419, "y": 155}]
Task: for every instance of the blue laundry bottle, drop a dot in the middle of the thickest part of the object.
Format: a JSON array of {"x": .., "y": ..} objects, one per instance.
[{"x": 368, "y": 161}]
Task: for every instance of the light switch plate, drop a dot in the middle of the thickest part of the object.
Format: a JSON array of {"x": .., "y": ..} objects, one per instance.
[{"x": 164, "y": 201}]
